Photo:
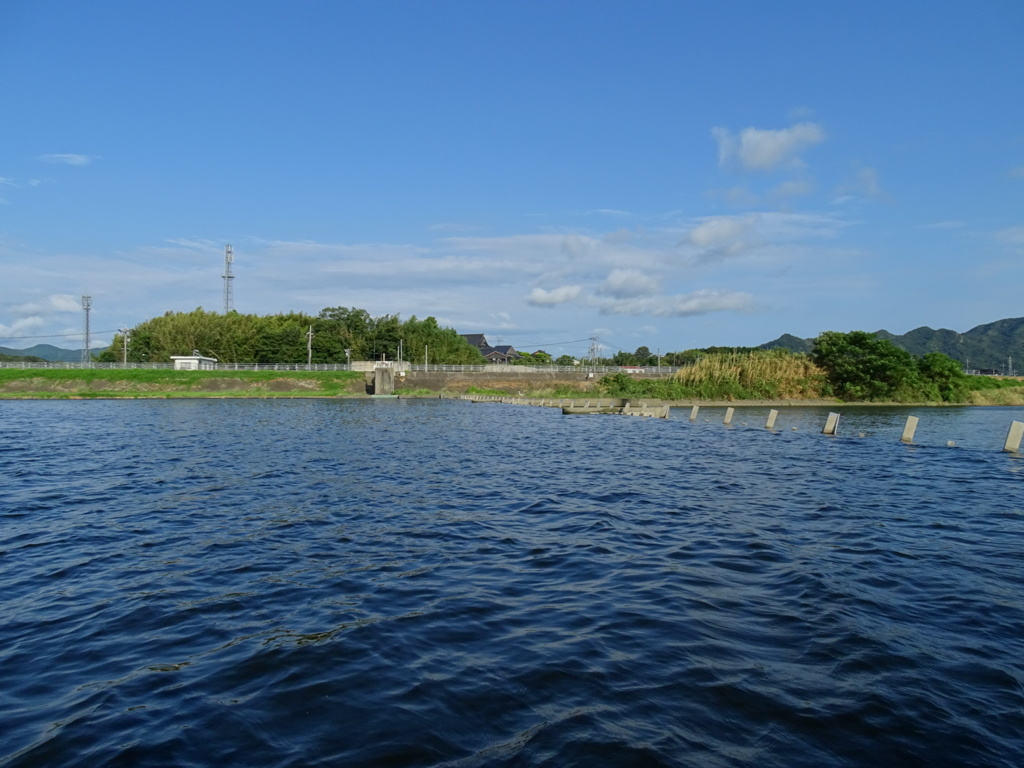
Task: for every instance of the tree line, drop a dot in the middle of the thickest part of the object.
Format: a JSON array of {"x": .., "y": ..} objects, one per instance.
[
  {"x": 855, "y": 366},
  {"x": 339, "y": 334}
]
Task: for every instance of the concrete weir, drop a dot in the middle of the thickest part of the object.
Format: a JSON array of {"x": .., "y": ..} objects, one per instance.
[
  {"x": 579, "y": 406},
  {"x": 383, "y": 379},
  {"x": 660, "y": 410}
]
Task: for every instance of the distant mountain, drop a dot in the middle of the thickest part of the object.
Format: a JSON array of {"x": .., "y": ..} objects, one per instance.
[
  {"x": 48, "y": 352},
  {"x": 992, "y": 347}
]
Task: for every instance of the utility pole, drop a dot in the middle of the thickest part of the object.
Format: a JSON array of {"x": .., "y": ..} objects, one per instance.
[
  {"x": 309, "y": 347},
  {"x": 426, "y": 366},
  {"x": 86, "y": 351},
  {"x": 592, "y": 353},
  {"x": 124, "y": 339}
]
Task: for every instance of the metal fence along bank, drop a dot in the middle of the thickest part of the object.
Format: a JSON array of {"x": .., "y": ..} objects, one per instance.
[{"x": 362, "y": 366}]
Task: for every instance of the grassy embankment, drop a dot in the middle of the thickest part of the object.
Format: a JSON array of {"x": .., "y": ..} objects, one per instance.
[
  {"x": 60, "y": 383},
  {"x": 734, "y": 378},
  {"x": 986, "y": 390}
]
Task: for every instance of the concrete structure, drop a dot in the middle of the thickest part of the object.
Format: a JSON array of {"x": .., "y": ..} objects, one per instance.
[
  {"x": 1013, "y": 437},
  {"x": 194, "y": 362},
  {"x": 831, "y": 424},
  {"x": 384, "y": 379},
  {"x": 909, "y": 429}
]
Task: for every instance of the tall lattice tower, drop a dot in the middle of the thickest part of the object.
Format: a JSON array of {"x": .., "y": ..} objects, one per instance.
[
  {"x": 229, "y": 295},
  {"x": 86, "y": 350},
  {"x": 595, "y": 349}
]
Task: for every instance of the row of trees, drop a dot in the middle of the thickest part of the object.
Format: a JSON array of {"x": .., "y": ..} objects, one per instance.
[
  {"x": 861, "y": 366},
  {"x": 338, "y": 335}
]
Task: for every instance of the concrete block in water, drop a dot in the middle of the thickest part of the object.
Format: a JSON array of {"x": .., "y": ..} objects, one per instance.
[
  {"x": 693, "y": 412},
  {"x": 772, "y": 416},
  {"x": 1013, "y": 437},
  {"x": 728, "y": 415},
  {"x": 831, "y": 424},
  {"x": 909, "y": 429}
]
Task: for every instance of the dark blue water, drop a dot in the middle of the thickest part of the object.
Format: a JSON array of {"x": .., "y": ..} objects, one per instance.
[{"x": 436, "y": 583}]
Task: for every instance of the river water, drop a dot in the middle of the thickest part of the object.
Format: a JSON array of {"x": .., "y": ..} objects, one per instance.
[{"x": 438, "y": 583}]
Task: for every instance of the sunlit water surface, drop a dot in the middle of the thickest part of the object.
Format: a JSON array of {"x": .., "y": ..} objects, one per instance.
[{"x": 437, "y": 583}]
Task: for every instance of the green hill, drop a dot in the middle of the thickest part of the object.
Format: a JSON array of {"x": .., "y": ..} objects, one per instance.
[
  {"x": 992, "y": 347},
  {"x": 48, "y": 352}
]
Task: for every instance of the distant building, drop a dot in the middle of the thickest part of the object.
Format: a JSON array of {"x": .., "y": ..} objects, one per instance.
[
  {"x": 193, "y": 362},
  {"x": 503, "y": 353}
]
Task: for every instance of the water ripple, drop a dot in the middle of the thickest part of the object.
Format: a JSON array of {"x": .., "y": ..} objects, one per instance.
[{"x": 441, "y": 584}]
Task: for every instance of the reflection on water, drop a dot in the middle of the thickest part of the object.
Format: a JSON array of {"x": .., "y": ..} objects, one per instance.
[{"x": 439, "y": 583}]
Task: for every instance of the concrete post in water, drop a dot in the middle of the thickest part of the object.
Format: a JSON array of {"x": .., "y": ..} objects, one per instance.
[
  {"x": 831, "y": 424},
  {"x": 1014, "y": 436},
  {"x": 693, "y": 412},
  {"x": 728, "y": 415},
  {"x": 772, "y": 415},
  {"x": 908, "y": 431}
]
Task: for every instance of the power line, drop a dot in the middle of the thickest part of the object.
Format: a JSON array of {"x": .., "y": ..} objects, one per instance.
[
  {"x": 53, "y": 335},
  {"x": 551, "y": 343}
]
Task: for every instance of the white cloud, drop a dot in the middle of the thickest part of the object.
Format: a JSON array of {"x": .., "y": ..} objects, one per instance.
[
  {"x": 21, "y": 327},
  {"x": 723, "y": 236},
  {"x": 700, "y": 302},
  {"x": 540, "y": 298},
  {"x": 609, "y": 212},
  {"x": 757, "y": 149},
  {"x": 793, "y": 188},
  {"x": 628, "y": 283},
  {"x": 58, "y": 302},
  {"x": 66, "y": 159},
  {"x": 1011, "y": 235},
  {"x": 65, "y": 302},
  {"x": 864, "y": 183}
]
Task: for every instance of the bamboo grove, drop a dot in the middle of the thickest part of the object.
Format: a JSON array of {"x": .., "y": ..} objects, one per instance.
[{"x": 339, "y": 334}]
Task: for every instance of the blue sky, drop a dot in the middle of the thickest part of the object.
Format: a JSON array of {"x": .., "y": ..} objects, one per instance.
[{"x": 669, "y": 174}]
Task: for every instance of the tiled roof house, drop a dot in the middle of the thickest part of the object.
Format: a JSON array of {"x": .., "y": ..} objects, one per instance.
[{"x": 502, "y": 353}]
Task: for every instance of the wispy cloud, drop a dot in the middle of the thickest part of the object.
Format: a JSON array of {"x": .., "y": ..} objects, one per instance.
[
  {"x": 944, "y": 225},
  {"x": 628, "y": 283},
  {"x": 864, "y": 183},
  {"x": 1011, "y": 235},
  {"x": 757, "y": 149},
  {"x": 67, "y": 159},
  {"x": 700, "y": 302},
  {"x": 724, "y": 236},
  {"x": 538, "y": 297},
  {"x": 21, "y": 327}
]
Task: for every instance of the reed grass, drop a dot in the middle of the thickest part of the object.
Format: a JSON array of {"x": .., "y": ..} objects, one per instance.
[{"x": 774, "y": 374}]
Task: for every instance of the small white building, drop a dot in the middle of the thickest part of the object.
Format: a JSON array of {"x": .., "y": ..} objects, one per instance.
[{"x": 193, "y": 362}]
